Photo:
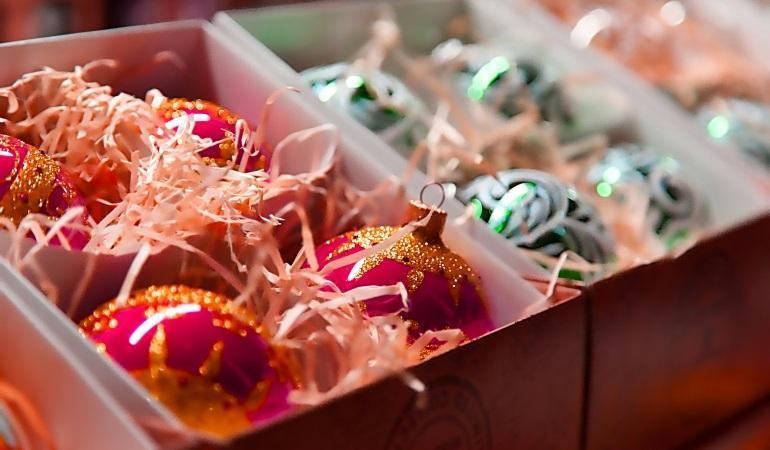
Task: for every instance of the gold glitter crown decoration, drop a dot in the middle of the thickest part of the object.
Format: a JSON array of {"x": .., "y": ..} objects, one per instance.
[
  {"x": 197, "y": 399},
  {"x": 421, "y": 250}
]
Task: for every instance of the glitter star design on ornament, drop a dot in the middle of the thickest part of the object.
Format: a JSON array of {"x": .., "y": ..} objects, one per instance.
[{"x": 418, "y": 254}]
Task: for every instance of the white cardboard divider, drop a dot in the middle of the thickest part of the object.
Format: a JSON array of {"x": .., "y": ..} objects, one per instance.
[
  {"x": 217, "y": 69},
  {"x": 734, "y": 188},
  {"x": 77, "y": 410}
]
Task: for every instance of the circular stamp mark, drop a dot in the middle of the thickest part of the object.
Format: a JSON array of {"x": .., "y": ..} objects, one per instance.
[{"x": 454, "y": 419}]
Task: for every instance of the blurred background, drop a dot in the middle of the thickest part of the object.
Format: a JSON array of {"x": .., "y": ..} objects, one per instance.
[{"x": 23, "y": 19}]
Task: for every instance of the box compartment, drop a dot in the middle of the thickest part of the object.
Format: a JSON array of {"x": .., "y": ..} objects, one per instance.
[{"x": 76, "y": 410}]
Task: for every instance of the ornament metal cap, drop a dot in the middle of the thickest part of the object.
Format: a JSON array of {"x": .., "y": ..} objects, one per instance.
[{"x": 432, "y": 230}]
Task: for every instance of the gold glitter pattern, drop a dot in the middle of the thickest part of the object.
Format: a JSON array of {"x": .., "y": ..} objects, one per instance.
[
  {"x": 158, "y": 298},
  {"x": 418, "y": 254},
  {"x": 199, "y": 401},
  {"x": 12, "y": 145},
  {"x": 30, "y": 190},
  {"x": 431, "y": 347},
  {"x": 158, "y": 351},
  {"x": 214, "y": 360},
  {"x": 176, "y": 107}
]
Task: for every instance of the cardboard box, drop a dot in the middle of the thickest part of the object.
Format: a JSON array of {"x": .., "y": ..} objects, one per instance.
[
  {"x": 216, "y": 69},
  {"x": 690, "y": 339},
  {"x": 750, "y": 429},
  {"x": 520, "y": 387},
  {"x": 679, "y": 345}
]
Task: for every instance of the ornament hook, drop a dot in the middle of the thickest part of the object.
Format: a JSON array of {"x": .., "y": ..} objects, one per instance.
[{"x": 437, "y": 184}]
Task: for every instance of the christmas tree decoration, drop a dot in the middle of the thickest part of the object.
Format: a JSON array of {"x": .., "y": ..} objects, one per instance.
[
  {"x": 674, "y": 209},
  {"x": 33, "y": 183},
  {"x": 215, "y": 123},
  {"x": 195, "y": 352},
  {"x": 744, "y": 122},
  {"x": 536, "y": 211},
  {"x": 443, "y": 290},
  {"x": 376, "y": 99},
  {"x": 511, "y": 84},
  {"x": 490, "y": 75}
]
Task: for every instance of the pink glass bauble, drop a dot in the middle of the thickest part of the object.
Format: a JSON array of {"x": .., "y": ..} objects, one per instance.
[
  {"x": 444, "y": 292},
  {"x": 32, "y": 182},
  {"x": 214, "y": 122},
  {"x": 195, "y": 352}
]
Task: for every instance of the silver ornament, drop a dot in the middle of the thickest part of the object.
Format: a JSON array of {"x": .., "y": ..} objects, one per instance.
[
  {"x": 675, "y": 208},
  {"x": 744, "y": 122},
  {"x": 377, "y": 100},
  {"x": 536, "y": 211}
]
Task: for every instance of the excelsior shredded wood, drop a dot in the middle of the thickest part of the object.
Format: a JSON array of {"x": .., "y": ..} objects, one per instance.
[{"x": 234, "y": 224}]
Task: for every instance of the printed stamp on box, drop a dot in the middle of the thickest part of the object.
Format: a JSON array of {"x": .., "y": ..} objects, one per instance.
[{"x": 454, "y": 419}]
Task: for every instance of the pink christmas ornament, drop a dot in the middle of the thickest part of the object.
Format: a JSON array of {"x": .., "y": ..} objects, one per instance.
[
  {"x": 216, "y": 123},
  {"x": 32, "y": 182},
  {"x": 196, "y": 353},
  {"x": 444, "y": 292}
]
